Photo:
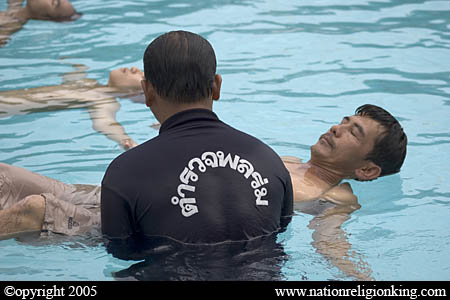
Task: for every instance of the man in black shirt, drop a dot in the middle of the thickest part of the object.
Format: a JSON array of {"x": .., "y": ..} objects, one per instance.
[{"x": 199, "y": 181}]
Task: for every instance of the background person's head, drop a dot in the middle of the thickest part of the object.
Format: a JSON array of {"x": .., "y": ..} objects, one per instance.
[
  {"x": 126, "y": 78},
  {"x": 55, "y": 10},
  {"x": 181, "y": 68},
  {"x": 364, "y": 146}
]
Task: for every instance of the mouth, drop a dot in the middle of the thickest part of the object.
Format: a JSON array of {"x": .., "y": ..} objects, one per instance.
[{"x": 327, "y": 139}]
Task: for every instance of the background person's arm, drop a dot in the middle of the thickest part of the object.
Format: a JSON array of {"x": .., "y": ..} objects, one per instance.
[
  {"x": 103, "y": 116},
  {"x": 15, "y": 4},
  {"x": 9, "y": 23},
  {"x": 78, "y": 74}
]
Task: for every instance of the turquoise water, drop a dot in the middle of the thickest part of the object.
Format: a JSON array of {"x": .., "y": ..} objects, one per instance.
[{"x": 290, "y": 69}]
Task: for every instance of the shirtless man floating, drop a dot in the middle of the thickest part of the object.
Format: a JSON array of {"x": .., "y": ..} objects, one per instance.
[
  {"x": 77, "y": 91},
  {"x": 16, "y": 15},
  {"x": 365, "y": 146}
]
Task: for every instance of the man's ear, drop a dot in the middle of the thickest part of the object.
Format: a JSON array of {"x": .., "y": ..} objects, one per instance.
[
  {"x": 369, "y": 171},
  {"x": 216, "y": 87},
  {"x": 148, "y": 92}
]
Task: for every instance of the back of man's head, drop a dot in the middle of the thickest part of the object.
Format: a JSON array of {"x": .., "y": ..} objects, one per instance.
[
  {"x": 181, "y": 67},
  {"x": 389, "y": 151}
]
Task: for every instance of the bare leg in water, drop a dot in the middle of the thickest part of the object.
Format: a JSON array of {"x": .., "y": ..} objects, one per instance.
[{"x": 25, "y": 196}]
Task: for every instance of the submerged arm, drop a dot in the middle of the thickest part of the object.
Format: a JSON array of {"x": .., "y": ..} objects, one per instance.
[
  {"x": 15, "y": 4},
  {"x": 331, "y": 241},
  {"x": 11, "y": 20},
  {"x": 77, "y": 74},
  {"x": 103, "y": 116}
]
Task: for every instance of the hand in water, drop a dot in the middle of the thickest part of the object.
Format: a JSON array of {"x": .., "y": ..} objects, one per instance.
[{"x": 128, "y": 144}]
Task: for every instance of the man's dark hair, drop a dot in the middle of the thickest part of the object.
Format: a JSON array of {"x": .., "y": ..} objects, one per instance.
[
  {"x": 389, "y": 150},
  {"x": 181, "y": 66}
]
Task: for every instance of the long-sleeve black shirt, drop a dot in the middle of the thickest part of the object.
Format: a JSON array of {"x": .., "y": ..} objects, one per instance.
[{"x": 199, "y": 181}]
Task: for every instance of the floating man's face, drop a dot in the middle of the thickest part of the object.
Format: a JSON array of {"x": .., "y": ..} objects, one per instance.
[
  {"x": 55, "y": 10},
  {"x": 345, "y": 146},
  {"x": 129, "y": 78}
]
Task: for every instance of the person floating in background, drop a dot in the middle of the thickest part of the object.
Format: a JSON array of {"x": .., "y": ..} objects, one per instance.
[
  {"x": 77, "y": 91},
  {"x": 13, "y": 19}
]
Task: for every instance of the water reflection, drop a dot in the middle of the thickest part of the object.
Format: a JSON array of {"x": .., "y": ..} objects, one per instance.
[{"x": 259, "y": 259}]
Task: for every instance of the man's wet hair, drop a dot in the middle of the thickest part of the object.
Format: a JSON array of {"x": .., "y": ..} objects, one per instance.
[
  {"x": 389, "y": 151},
  {"x": 181, "y": 66}
]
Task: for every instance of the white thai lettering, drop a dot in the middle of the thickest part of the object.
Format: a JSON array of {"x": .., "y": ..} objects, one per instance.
[
  {"x": 245, "y": 167},
  {"x": 186, "y": 187},
  {"x": 259, "y": 181},
  {"x": 223, "y": 161},
  {"x": 199, "y": 162},
  {"x": 210, "y": 159},
  {"x": 188, "y": 207},
  {"x": 259, "y": 194},
  {"x": 187, "y": 175},
  {"x": 218, "y": 159}
]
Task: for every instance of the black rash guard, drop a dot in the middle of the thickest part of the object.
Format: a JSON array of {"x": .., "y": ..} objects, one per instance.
[{"x": 199, "y": 181}]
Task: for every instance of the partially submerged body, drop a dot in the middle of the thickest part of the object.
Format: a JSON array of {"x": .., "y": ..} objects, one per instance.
[
  {"x": 14, "y": 18},
  {"x": 313, "y": 199},
  {"x": 331, "y": 207},
  {"x": 77, "y": 91}
]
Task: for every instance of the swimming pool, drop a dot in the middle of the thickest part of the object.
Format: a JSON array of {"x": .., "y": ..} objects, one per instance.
[{"x": 290, "y": 70}]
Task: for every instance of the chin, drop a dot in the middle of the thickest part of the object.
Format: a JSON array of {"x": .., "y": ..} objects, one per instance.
[
  {"x": 316, "y": 149},
  {"x": 319, "y": 152}
]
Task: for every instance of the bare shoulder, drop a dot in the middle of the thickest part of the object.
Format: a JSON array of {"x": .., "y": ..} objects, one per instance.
[
  {"x": 291, "y": 160},
  {"x": 341, "y": 194}
]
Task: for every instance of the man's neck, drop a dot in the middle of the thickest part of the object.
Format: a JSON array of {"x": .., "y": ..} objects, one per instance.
[
  {"x": 171, "y": 109},
  {"x": 22, "y": 14},
  {"x": 322, "y": 174}
]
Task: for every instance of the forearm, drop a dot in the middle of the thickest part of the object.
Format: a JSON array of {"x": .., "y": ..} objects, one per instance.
[
  {"x": 338, "y": 254},
  {"x": 331, "y": 242},
  {"x": 15, "y": 3},
  {"x": 103, "y": 116},
  {"x": 115, "y": 132}
]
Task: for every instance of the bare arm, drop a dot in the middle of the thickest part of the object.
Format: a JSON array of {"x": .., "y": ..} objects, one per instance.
[
  {"x": 8, "y": 26},
  {"x": 331, "y": 241},
  {"x": 14, "y": 4},
  {"x": 79, "y": 73},
  {"x": 11, "y": 20},
  {"x": 103, "y": 116}
]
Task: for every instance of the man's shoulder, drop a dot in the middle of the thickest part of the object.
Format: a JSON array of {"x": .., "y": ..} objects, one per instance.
[
  {"x": 291, "y": 160},
  {"x": 130, "y": 159},
  {"x": 341, "y": 194}
]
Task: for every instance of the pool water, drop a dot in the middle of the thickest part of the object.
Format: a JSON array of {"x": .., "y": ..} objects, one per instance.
[{"x": 290, "y": 70}]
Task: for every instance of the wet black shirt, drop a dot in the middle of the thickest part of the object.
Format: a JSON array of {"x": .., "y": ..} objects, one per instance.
[{"x": 199, "y": 181}]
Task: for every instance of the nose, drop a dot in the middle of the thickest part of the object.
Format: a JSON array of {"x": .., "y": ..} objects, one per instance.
[
  {"x": 335, "y": 130},
  {"x": 338, "y": 129}
]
